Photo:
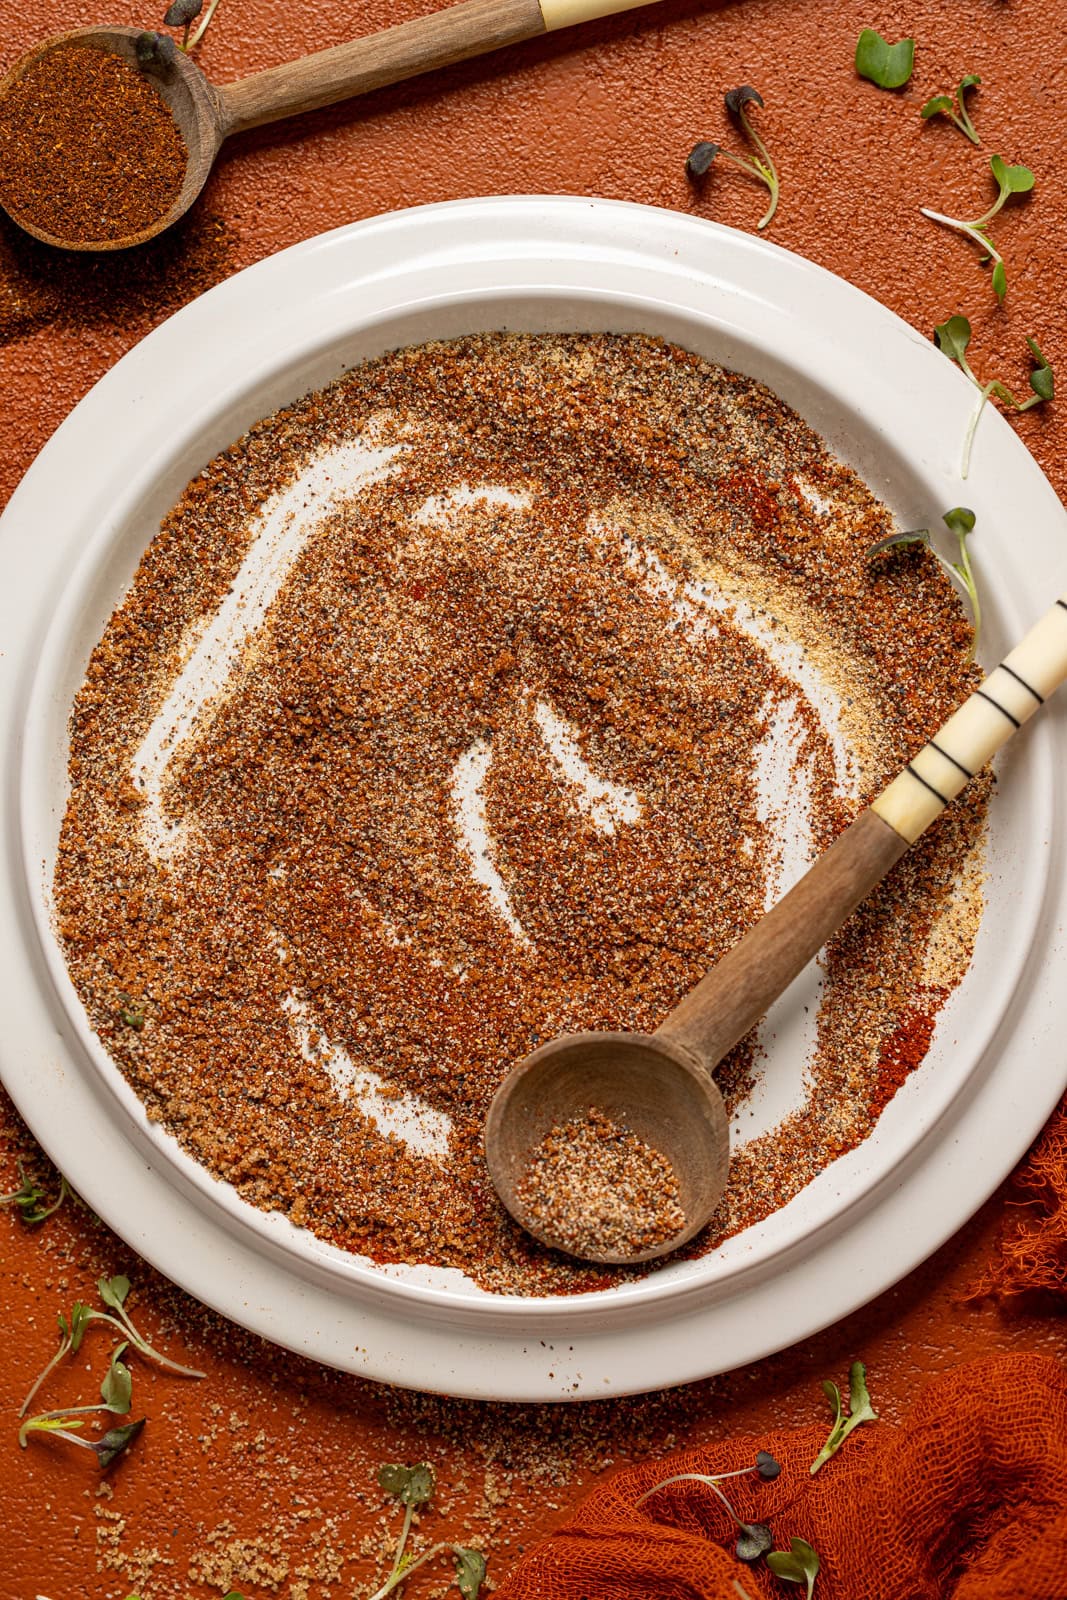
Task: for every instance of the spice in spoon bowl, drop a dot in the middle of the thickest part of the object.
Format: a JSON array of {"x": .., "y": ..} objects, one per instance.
[
  {"x": 602, "y": 1191},
  {"x": 95, "y": 146}
]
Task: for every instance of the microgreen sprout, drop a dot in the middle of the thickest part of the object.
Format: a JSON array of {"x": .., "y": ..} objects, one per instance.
[
  {"x": 131, "y": 1013},
  {"x": 887, "y": 65},
  {"x": 413, "y": 1487},
  {"x": 113, "y": 1292},
  {"x": 28, "y": 1197},
  {"x": 754, "y": 1539},
  {"x": 859, "y": 1401},
  {"x": 115, "y": 1394},
  {"x": 798, "y": 1564},
  {"x": 1010, "y": 180},
  {"x": 960, "y": 521},
  {"x": 107, "y": 1448},
  {"x": 70, "y": 1337},
  {"x": 759, "y": 166},
  {"x": 954, "y": 107},
  {"x": 953, "y": 337},
  {"x": 183, "y": 13}
]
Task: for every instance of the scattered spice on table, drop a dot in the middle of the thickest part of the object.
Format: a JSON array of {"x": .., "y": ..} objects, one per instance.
[
  {"x": 485, "y": 772},
  {"x": 599, "y": 1190},
  {"x": 89, "y": 152}
]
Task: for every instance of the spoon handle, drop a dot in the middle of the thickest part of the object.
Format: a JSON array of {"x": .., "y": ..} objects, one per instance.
[
  {"x": 471, "y": 28},
  {"x": 735, "y": 994}
]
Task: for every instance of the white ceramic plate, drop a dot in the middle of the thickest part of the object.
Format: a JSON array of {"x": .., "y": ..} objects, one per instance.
[{"x": 886, "y": 401}]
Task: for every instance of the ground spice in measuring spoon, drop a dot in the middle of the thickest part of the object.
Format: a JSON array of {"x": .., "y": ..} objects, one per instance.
[
  {"x": 600, "y": 1190},
  {"x": 88, "y": 150}
]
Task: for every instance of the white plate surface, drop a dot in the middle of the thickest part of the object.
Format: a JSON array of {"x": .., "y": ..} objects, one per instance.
[{"x": 886, "y": 401}]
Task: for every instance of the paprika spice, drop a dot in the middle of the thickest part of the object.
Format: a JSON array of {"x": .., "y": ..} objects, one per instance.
[{"x": 89, "y": 152}]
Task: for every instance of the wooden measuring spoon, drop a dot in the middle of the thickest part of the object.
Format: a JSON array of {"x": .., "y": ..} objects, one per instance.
[
  {"x": 207, "y": 113},
  {"x": 660, "y": 1085}
]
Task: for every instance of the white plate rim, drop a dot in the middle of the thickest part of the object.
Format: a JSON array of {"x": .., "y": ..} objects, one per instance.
[{"x": 512, "y": 235}]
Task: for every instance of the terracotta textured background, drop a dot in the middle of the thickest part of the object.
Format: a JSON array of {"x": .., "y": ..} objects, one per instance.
[{"x": 263, "y": 1476}]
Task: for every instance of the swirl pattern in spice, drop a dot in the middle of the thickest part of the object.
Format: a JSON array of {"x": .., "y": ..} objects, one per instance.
[{"x": 488, "y": 694}]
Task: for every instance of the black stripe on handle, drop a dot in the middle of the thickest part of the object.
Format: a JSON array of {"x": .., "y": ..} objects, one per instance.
[
  {"x": 920, "y": 779},
  {"x": 1027, "y": 686},
  {"x": 967, "y": 773},
  {"x": 997, "y": 705}
]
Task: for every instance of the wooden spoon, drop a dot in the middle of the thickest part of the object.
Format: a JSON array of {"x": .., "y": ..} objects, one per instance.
[
  {"x": 660, "y": 1085},
  {"x": 208, "y": 113}
]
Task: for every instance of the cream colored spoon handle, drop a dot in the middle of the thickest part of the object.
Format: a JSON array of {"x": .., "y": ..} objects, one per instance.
[
  {"x": 471, "y": 28},
  {"x": 973, "y": 734},
  {"x": 737, "y": 992}
]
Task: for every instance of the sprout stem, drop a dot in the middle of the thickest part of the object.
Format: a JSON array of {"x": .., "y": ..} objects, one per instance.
[
  {"x": 64, "y": 1346},
  {"x": 396, "y": 1577},
  {"x": 127, "y": 1329},
  {"x": 767, "y": 168},
  {"x": 984, "y": 393},
  {"x": 202, "y": 29},
  {"x": 973, "y": 230}
]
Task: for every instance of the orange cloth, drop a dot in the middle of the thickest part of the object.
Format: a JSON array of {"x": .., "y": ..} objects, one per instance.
[
  {"x": 967, "y": 1498},
  {"x": 1034, "y": 1249}
]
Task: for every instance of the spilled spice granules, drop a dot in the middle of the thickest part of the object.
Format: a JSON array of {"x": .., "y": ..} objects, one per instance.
[
  {"x": 486, "y": 695},
  {"x": 89, "y": 152},
  {"x": 598, "y": 1190}
]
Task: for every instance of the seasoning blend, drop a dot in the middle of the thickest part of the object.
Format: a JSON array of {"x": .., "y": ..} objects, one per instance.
[
  {"x": 89, "y": 152},
  {"x": 600, "y": 1190},
  {"x": 489, "y": 764}
]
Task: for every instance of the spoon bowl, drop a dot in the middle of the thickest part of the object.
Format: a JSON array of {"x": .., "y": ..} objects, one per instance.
[
  {"x": 193, "y": 102},
  {"x": 652, "y": 1084}
]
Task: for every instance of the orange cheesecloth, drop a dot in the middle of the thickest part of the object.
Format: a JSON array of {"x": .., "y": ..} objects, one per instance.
[{"x": 965, "y": 1498}]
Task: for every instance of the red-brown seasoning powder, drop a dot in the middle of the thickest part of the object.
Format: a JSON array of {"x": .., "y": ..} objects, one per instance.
[
  {"x": 89, "y": 152},
  {"x": 321, "y": 916},
  {"x": 594, "y": 1188}
]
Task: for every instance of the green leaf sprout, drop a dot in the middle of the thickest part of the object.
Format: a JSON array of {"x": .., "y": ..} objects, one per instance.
[
  {"x": 798, "y": 1564},
  {"x": 953, "y": 337},
  {"x": 28, "y": 1197},
  {"x": 113, "y": 1292},
  {"x": 131, "y": 1014},
  {"x": 1041, "y": 380},
  {"x": 1010, "y": 180},
  {"x": 753, "y": 1538},
  {"x": 61, "y": 1424},
  {"x": 759, "y": 166},
  {"x": 859, "y": 1401},
  {"x": 887, "y": 65},
  {"x": 954, "y": 107},
  {"x": 413, "y": 1487},
  {"x": 960, "y": 521},
  {"x": 116, "y": 1393}
]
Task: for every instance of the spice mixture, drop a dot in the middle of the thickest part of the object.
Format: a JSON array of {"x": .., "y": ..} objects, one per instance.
[
  {"x": 88, "y": 150},
  {"x": 480, "y": 697},
  {"x": 599, "y": 1190}
]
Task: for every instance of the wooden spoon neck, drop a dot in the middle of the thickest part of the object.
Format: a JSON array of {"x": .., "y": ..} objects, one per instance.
[
  {"x": 469, "y": 28},
  {"x": 736, "y": 993}
]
